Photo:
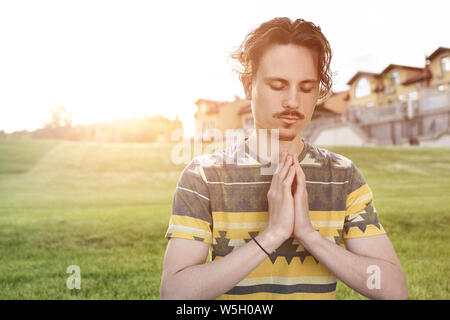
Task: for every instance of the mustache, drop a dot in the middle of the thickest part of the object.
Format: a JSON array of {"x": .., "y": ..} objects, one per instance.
[{"x": 289, "y": 113}]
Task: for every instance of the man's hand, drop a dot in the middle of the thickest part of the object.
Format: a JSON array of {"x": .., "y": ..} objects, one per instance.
[
  {"x": 281, "y": 201},
  {"x": 302, "y": 223}
]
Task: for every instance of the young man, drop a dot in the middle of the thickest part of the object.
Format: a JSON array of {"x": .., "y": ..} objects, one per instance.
[{"x": 277, "y": 236}]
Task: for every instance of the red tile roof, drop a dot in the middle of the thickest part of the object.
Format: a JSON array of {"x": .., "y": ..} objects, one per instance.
[
  {"x": 438, "y": 51},
  {"x": 425, "y": 74},
  {"x": 400, "y": 66},
  {"x": 337, "y": 102}
]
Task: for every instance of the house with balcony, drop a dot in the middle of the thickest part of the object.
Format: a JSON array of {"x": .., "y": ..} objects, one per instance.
[
  {"x": 214, "y": 118},
  {"x": 403, "y": 104},
  {"x": 439, "y": 62}
]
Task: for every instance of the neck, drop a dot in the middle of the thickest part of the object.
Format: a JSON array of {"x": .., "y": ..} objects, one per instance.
[{"x": 266, "y": 146}]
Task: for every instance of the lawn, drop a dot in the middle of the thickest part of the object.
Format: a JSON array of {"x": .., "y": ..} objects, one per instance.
[{"x": 105, "y": 207}]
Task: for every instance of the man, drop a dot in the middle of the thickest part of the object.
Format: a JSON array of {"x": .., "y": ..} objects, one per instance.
[{"x": 277, "y": 236}]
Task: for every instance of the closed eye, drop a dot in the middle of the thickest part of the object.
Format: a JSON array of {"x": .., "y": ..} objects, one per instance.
[
  {"x": 276, "y": 88},
  {"x": 307, "y": 89}
]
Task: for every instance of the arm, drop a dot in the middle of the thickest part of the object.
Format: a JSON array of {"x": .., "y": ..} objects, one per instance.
[
  {"x": 185, "y": 274},
  {"x": 350, "y": 266}
]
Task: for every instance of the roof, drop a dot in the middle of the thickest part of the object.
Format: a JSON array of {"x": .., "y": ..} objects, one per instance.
[
  {"x": 437, "y": 52},
  {"x": 363, "y": 73},
  {"x": 400, "y": 66},
  {"x": 337, "y": 102},
  {"x": 425, "y": 74}
]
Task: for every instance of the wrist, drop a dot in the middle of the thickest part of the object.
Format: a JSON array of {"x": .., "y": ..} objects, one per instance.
[
  {"x": 269, "y": 240},
  {"x": 307, "y": 237}
]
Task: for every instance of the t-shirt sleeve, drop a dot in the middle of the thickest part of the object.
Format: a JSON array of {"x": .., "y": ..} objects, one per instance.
[
  {"x": 361, "y": 218},
  {"x": 191, "y": 209}
]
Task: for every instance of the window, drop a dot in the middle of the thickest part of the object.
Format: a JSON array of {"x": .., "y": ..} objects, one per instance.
[
  {"x": 362, "y": 88},
  {"x": 413, "y": 95},
  {"x": 445, "y": 64},
  {"x": 395, "y": 78}
]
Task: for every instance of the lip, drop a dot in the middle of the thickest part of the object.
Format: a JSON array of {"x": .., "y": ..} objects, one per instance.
[{"x": 289, "y": 120}]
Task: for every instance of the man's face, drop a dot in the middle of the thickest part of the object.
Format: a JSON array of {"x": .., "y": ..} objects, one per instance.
[{"x": 285, "y": 89}]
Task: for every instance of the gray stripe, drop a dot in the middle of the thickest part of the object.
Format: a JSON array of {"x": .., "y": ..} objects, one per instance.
[
  {"x": 238, "y": 174},
  {"x": 253, "y": 198},
  {"x": 284, "y": 289}
]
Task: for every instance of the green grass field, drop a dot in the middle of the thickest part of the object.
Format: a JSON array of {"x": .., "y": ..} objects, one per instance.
[{"x": 105, "y": 207}]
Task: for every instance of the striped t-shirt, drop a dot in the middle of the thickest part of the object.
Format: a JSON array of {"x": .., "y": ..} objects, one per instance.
[{"x": 221, "y": 199}]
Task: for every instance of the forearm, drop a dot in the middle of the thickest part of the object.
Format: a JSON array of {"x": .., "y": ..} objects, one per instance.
[
  {"x": 352, "y": 269},
  {"x": 211, "y": 280}
]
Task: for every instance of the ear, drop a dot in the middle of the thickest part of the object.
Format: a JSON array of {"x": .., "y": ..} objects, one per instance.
[{"x": 247, "y": 84}]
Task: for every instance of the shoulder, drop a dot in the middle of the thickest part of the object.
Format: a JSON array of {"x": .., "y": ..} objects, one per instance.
[
  {"x": 321, "y": 157},
  {"x": 235, "y": 154},
  {"x": 334, "y": 165},
  {"x": 222, "y": 159}
]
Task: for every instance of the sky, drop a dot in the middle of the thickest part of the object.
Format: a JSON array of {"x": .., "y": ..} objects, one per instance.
[{"x": 106, "y": 60}]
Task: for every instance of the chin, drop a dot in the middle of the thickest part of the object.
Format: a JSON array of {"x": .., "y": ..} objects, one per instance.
[{"x": 286, "y": 136}]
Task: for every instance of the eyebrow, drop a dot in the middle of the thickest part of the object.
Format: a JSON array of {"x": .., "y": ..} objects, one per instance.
[{"x": 284, "y": 81}]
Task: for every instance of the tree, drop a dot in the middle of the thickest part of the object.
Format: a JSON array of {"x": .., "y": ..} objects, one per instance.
[{"x": 59, "y": 117}]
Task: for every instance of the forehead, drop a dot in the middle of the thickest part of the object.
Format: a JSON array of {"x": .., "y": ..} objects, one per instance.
[{"x": 290, "y": 62}]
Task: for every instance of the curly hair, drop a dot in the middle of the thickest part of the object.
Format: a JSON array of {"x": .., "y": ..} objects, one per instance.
[{"x": 284, "y": 31}]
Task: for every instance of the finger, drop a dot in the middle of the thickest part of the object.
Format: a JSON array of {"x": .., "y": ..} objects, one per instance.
[
  {"x": 287, "y": 183},
  {"x": 280, "y": 162},
  {"x": 300, "y": 179},
  {"x": 284, "y": 169}
]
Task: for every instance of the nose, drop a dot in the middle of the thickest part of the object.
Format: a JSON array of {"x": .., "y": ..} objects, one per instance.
[{"x": 292, "y": 100}]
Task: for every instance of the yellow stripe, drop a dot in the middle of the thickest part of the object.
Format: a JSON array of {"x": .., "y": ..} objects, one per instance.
[
  {"x": 309, "y": 268},
  {"x": 221, "y": 216},
  {"x": 327, "y": 215},
  {"x": 287, "y": 280},
  {"x": 240, "y": 225},
  {"x": 278, "y": 296},
  {"x": 325, "y": 224},
  {"x": 188, "y": 235},
  {"x": 194, "y": 231},
  {"x": 357, "y": 200},
  {"x": 355, "y": 232},
  {"x": 190, "y": 222}
]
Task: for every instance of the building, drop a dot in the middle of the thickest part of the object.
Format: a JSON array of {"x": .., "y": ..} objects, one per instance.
[
  {"x": 214, "y": 118},
  {"x": 439, "y": 62},
  {"x": 397, "y": 83}
]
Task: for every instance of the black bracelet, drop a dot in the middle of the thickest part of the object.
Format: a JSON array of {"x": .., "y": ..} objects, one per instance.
[{"x": 260, "y": 246}]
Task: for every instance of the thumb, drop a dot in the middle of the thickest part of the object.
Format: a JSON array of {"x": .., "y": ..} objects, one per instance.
[{"x": 300, "y": 179}]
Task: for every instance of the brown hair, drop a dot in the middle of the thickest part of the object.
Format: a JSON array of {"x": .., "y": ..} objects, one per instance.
[{"x": 284, "y": 31}]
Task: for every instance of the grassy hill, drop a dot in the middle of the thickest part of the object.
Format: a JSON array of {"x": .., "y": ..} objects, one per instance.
[{"x": 105, "y": 207}]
